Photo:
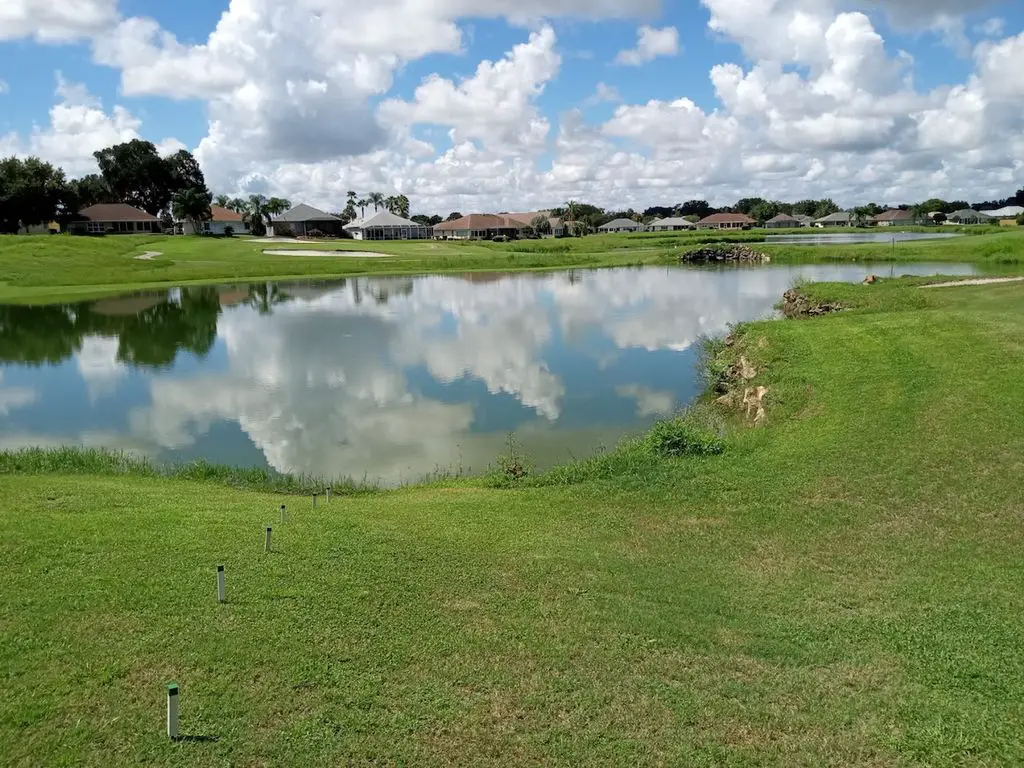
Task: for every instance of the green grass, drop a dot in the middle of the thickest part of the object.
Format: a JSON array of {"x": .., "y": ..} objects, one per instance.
[
  {"x": 840, "y": 587},
  {"x": 51, "y": 268}
]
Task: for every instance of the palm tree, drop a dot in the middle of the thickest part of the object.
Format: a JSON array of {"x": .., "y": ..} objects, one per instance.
[
  {"x": 541, "y": 225},
  {"x": 390, "y": 203},
  {"x": 351, "y": 195},
  {"x": 222, "y": 200},
  {"x": 572, "y": 212},
  {"x": 256, "y": 215},
  {"x": 192, "y": 205},
  {"x": 402, "y": 206},
  {"x": 361, "y": 204},
  {"x": 278, "y": 205},
  {"x": 376, "y": 199},
  {"x": 236, "y": 204}
]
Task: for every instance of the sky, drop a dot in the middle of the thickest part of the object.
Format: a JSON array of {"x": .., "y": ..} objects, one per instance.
[{"x": 516, "y": 105}]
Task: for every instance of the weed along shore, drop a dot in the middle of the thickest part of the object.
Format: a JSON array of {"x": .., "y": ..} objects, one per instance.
[{"x": 821, "y": 568}]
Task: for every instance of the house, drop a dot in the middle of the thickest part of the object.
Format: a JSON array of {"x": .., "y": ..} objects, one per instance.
[
  {"x": 223, "y": 220},
  {"x": 385, "y": 225},
  {"x": 621, "y": 225},
  {"x": 969, "y": 216},
  {"x": 726, "y": 221},
  {"x": 841, "y": 219},
  {"x": 478, "y": 226},
  {"x": 783, "y": 221},
  {"x": 671, "y": 224},
  {"x": 894, "y": 217},
  {"x": 113, "y": 219},
  {"x": 305, "y": 221},
  {"x": 526, "y": 220},
  {"x": 1007, "y": 216},
  {"x": 805, "y": 221}
]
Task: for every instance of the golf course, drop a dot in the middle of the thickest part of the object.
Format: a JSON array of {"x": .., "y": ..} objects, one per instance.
[{"x": 834, "y": 581}]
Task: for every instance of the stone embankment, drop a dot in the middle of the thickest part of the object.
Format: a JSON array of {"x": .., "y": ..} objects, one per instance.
[{"x": 725, "y": 253}]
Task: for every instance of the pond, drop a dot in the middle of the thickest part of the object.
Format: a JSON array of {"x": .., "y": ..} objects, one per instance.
[
  {"x": 383, "y": 379},
  {"x": 852, "y": 238}
]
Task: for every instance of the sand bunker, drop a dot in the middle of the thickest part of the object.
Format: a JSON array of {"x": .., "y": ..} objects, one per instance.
[
  {"x": 148, "y": 256},
  {"x": 350, "y": 254}
]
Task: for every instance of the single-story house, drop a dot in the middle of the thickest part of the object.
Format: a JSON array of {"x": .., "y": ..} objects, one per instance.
[
  {"x": 478, "y": 226},
  {"x": 526, "y": 220},
  {"x": 305, "y": 221},
  {"x": 805, "y": 221},
  {"x": 783, "y": 221},
  {"x": 894, "y": 217},
  {"x": 1007, "y": 216},
  {"x": 621, "y": 225},
  {"x": 385, "y": 225},
  {"x": 223, "y": 218},
  {"x": 113, "y": 219},
  {"x": 671, "y": 224},
  {"x": 726, "y": 221},
  {"x": 968, "y": 216},
  {"x": 840, "y": 219}
]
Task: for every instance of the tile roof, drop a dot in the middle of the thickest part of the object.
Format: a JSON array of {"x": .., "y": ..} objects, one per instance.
[
  {"x": 220, "y": 213},
  {"x": 782, "y": 217},
  {"x": 620, "y": 224},
  {"x": 672, "y": 221},
  {"x": 727, "y": 218},
  {"x": 478, "y": 221},
  {"x": 114, "y": 212},
  {"x": 304, "y": 212},
  {"x": 895, "y": 214},
  {"x": 382, "y": 219}
]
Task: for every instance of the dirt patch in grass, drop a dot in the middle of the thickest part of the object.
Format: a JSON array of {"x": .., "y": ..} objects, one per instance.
[{"x": 797, "y": 304}]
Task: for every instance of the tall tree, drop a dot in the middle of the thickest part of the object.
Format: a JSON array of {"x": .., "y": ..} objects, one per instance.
[
  {"x": 402, "y": 206},
  {"x": 351, "y": 198},
  {"x": 31, "y": 193},
  {"x": 256, "y": 215},
  {"x": 236, "y": 204},
  {"x": 185, "y": 171},
  {"x": 390, "y": 203},
  {"x": 90, "y": 190},
  {"x": 453, "y": 216},
  {"x": 137, "y": 175},
  {"x": 572, "y": 215},
  {"x": 222, "y": 200},
  {"x": 826, "y": 207},
  {"x": 361, "y": 204},
  {"x": 376, "y": 199},
  {"x": 192, "y": 205},
  {"x": 541, "y": 225},
  {"x": 278, "y": 205}
]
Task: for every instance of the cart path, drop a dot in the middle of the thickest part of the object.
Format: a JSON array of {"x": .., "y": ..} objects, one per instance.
[{"x": 976, "y": 281}]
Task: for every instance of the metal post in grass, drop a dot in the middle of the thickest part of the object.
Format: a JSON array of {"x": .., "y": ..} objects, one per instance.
[
  {"x": 172, "y": 711},
  {"x": 284, "y": 513},
  {"x": 269, "y": 531},
  {"x": 314, "y": 501},
  {"x": 328, "y": 494},
  {"x": 220, "y": 583}
]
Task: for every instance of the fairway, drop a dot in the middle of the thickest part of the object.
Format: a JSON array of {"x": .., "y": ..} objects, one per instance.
[
  {"x": 840, "y": 587},
  {"x": 39, "y": 268}
]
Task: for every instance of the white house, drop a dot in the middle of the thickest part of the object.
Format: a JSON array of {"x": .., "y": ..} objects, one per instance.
[
  {"x": 620, "y": 225},
  {"x": 670, "y": 224},
  {"x": 223, "y": 219},
  {"x": 385, "y": 225}
]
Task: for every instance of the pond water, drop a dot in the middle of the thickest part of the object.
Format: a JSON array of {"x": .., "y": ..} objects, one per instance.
[
  {"x": 386, "y": 379},
  {"x": 852, "y": 238}
]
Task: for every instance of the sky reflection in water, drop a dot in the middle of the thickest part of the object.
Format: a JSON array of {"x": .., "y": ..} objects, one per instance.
[{"x": 380, "y": 378}]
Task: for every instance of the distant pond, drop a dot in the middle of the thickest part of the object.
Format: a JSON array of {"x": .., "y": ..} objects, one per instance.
[
  {"x": 386, "y": 379},
  {"x": 851, "y": 238}
]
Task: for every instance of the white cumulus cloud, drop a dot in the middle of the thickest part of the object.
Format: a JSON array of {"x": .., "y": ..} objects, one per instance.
[{"x": 651, "y": 43}]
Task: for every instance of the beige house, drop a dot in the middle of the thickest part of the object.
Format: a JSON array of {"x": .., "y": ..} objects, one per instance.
[
  {"x": 113, "y": 219},
  {"x": 726, "y": 221}
]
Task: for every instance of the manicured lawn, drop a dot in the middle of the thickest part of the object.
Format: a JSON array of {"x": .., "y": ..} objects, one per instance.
[
  {"x": 49, "y": 268},
  {"x": 840, "y": 587}
]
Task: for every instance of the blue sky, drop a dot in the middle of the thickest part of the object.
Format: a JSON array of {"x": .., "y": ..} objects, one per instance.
[{"x": 166, "y": 84}]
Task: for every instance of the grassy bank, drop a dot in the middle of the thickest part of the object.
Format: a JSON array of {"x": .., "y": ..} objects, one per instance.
[
  {"x": 839, "y": 587},
  {"x": 49, "y": 268}
]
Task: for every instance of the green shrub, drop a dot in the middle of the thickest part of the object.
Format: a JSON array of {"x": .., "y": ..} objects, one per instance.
[{"x": 695, "y": 432}]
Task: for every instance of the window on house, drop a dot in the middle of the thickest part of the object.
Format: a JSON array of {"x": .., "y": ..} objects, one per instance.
[{"x": 95, "y": 227}]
